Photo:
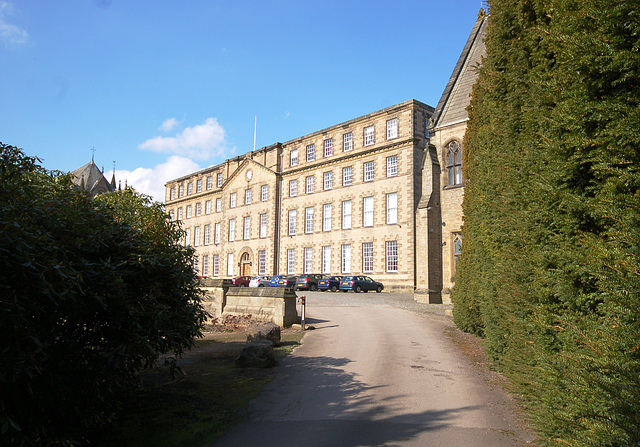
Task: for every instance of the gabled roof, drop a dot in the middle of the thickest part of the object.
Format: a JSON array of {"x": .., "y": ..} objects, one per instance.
[
  {"x": 90, "y": 178},
  {"x": 246, "y": 163},
  {"x": 456, "y": 97}
]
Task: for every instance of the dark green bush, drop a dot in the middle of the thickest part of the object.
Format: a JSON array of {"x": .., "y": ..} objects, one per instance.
[{"x": 92, "y": 291}]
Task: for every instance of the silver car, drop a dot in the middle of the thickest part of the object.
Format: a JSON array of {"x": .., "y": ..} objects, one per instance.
[{"x": 259, "y": 281}]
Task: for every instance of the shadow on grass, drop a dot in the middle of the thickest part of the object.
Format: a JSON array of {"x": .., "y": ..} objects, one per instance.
[
  {"x": 195, "y": 408},
  {"x": 289, "y": 343}
]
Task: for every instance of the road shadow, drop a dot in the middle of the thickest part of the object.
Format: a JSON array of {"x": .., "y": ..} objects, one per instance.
[
  {"x": 316, "y": 402},
  {"x": 308, "y": 320}
]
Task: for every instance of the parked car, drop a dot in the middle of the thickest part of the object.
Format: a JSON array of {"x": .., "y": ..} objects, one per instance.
[
  {"x": 308, "y": 282},
  {"x": 287, "y": 281},
  {"x": 359, "y": 284},
  {"x": 241, "y": 281},
  {"x": 273, "y": 282},
  {"x": 259, "y": 281},
  {"x": 329, "y": 283}
]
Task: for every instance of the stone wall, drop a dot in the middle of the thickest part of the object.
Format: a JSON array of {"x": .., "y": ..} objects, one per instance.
[
  {"x": 214, "y": 295},
  {"x": 273, "y": 304}
]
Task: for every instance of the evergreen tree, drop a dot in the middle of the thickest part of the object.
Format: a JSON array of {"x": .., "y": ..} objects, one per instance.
[{"x": 550, "y": 269}]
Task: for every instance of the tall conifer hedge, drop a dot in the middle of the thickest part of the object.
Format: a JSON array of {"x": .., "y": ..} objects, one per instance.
[{"x": 550, "y": 270}]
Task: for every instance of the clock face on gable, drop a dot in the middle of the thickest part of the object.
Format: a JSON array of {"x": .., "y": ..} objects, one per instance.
[{"x": 249, "y": 174}]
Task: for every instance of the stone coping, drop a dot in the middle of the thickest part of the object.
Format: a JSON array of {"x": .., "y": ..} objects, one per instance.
[{"x": 274, "y": 292}]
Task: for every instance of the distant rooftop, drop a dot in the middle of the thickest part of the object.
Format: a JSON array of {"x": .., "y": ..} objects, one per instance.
[{"x": 90, "y": 178}]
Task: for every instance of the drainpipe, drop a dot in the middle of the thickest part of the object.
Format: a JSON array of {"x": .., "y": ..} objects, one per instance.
[{"x": 278, "y": 211}]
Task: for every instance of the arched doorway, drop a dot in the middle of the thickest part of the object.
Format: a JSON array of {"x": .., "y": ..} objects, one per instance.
[{"x": 245, "y": 264}]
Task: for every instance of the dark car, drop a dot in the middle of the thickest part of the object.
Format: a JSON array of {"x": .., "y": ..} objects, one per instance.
[
  {"x": 287, "y": 281},
  {"x": 241, "y": 281},
  {"x": 329, "y": 283},
  {"x": 308, "y": 282},
  {"x": 273, "y": 282},
  {"x": 359, "y": 284}
]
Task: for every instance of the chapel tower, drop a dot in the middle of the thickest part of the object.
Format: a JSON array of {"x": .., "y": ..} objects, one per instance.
[{"x": 439, "y": 215}]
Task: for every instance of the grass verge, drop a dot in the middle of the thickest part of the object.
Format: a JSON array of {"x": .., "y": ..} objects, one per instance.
[{"x": 194, "y": 409}]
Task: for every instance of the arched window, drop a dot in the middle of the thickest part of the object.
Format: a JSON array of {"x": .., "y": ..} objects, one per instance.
[{"x": 454, "y": 162}]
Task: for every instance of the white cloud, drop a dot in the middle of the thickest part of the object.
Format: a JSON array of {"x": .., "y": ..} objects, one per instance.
[
  {"x": 169, "y": 124},
  {"x": 199, "y": 142},
  {"x": 150, "y": 181},
  {"x": 10, "y": 35}
]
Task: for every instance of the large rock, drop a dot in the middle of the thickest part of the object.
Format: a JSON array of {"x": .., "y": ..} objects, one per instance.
[
  {"x": 258, "y": 354},
  {"x": 263, "y": 331}
]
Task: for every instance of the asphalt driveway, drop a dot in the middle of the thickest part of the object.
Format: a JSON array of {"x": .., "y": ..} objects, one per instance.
[{"x": 379, "y": 370}]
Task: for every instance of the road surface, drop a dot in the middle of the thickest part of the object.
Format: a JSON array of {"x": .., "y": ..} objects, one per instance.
[{"x": 373, "y": 373}]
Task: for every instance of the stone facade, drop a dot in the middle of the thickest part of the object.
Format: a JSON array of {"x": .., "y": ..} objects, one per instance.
[
  {"x": 380, "y": 195},
  {"x": 338, "y": 201}
]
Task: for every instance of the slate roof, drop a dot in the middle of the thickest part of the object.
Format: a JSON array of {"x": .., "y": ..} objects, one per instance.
[
  {"x": 453, "y": 103},
  {"x": 90, "y": 178}
]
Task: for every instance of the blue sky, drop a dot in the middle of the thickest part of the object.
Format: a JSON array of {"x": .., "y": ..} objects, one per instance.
[{"x": 167, "y": 87}]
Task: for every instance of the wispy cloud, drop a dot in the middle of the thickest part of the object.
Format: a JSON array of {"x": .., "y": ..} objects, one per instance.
[
  {"x": 11, "y": 36},
  {"x": 150, "y": 181},
  {"x": 169, "y": 124},
  {"x": 199, "y": 142}
]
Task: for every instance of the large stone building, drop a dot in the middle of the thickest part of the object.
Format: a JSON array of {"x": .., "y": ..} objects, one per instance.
[{"x": 378, "y": 195}]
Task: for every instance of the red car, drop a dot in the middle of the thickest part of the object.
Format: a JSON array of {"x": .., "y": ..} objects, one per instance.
[{"x": 241, "y": 281}]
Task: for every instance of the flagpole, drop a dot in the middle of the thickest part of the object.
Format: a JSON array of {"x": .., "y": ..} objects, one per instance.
[{"x": 255, "y": 131}]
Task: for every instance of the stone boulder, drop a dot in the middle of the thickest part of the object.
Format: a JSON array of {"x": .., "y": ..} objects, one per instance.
[
  {"x": 258, "y": 354},
  {"x": 263, "y": 331}
]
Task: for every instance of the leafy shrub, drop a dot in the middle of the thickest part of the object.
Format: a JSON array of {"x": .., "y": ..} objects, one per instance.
[{"x": 92, "y": 290}]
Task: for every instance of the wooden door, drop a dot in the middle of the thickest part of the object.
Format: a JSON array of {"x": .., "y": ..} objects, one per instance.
[{"x": 245, "y": 262}]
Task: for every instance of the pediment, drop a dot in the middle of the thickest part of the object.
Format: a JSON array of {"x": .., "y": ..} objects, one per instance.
[{"x": 249, "y": 172}]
